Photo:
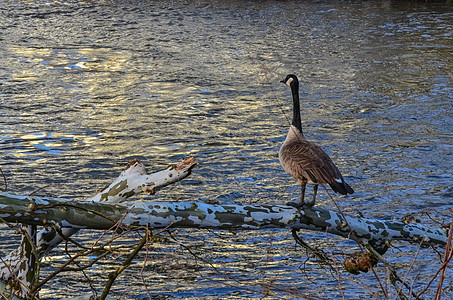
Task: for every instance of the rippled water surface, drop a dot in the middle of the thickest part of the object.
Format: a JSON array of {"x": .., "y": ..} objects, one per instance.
[{"x": 87, "y": 86}]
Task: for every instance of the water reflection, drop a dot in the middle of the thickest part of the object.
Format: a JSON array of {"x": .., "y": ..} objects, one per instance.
[{"x": 85, "y": 87}]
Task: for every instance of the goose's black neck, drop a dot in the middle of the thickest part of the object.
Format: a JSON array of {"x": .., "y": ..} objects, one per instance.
[{"x": 297, "y": 122}]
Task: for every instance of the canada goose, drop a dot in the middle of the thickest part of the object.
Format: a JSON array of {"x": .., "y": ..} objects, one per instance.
[{"x": 304, "y": 160}]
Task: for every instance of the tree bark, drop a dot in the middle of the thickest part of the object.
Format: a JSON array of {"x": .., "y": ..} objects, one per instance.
[{"x": 96, "y": 215}]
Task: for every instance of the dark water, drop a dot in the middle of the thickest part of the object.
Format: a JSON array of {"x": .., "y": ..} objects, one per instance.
[{"x": 87, "y": 86}]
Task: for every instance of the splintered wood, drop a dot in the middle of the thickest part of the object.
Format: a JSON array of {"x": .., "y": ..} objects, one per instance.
[{"x": 189, "y": 164}]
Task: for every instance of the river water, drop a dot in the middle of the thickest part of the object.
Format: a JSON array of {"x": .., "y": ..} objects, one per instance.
[{"x": 86, "y": 86}]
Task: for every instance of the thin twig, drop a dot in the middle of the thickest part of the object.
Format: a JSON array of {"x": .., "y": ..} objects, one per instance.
[
  {"x": 447, "y": 257},
  {"x": 127, "y": 262},
  {"x": 113, "y": 228},
  {"x": 81, "y": 269},
  {"x": 64, "y": 268},
  {"x": 37, "y": 190},
  {"x": 337, "y": 275},
  {"x": 358, "y": 283},
  {"x": 318, "y": 253},
  {"x": 145, "y": 261},
  {"x": 410, "y": 267},
  {"x": 17, "y": 230},
  {"x": 65, "y": 237},
  {"x": 54, "y": 273}
]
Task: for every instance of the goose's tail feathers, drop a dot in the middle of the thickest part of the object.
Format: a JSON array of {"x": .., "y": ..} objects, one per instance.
[{"x": 341, "y": 187}]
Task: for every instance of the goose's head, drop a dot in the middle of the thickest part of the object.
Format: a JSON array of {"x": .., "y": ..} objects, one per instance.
[{"x": 290, "y": 80}]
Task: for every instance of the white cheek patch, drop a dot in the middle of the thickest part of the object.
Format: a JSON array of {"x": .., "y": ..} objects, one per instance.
[{"x": 288, "y": 82}]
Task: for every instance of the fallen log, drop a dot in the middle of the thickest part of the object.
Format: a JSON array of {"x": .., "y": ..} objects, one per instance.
[{"x": 96, "y": 215}]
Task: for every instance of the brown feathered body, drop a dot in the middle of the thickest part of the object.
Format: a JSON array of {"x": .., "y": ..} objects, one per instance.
[{"x": 308, "y": 163}]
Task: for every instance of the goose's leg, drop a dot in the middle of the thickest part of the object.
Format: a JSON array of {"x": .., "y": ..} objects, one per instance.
[
  {"x": 301, "y": 204},
  {"x": 302, "y": 193},
  {"x": 315, "y": 191}
]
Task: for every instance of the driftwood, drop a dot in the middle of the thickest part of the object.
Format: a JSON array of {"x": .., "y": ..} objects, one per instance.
[{"x": 105, "y": 211}]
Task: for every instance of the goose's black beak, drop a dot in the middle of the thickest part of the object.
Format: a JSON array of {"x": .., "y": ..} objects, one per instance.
[{"x": 282, "y": 81}]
